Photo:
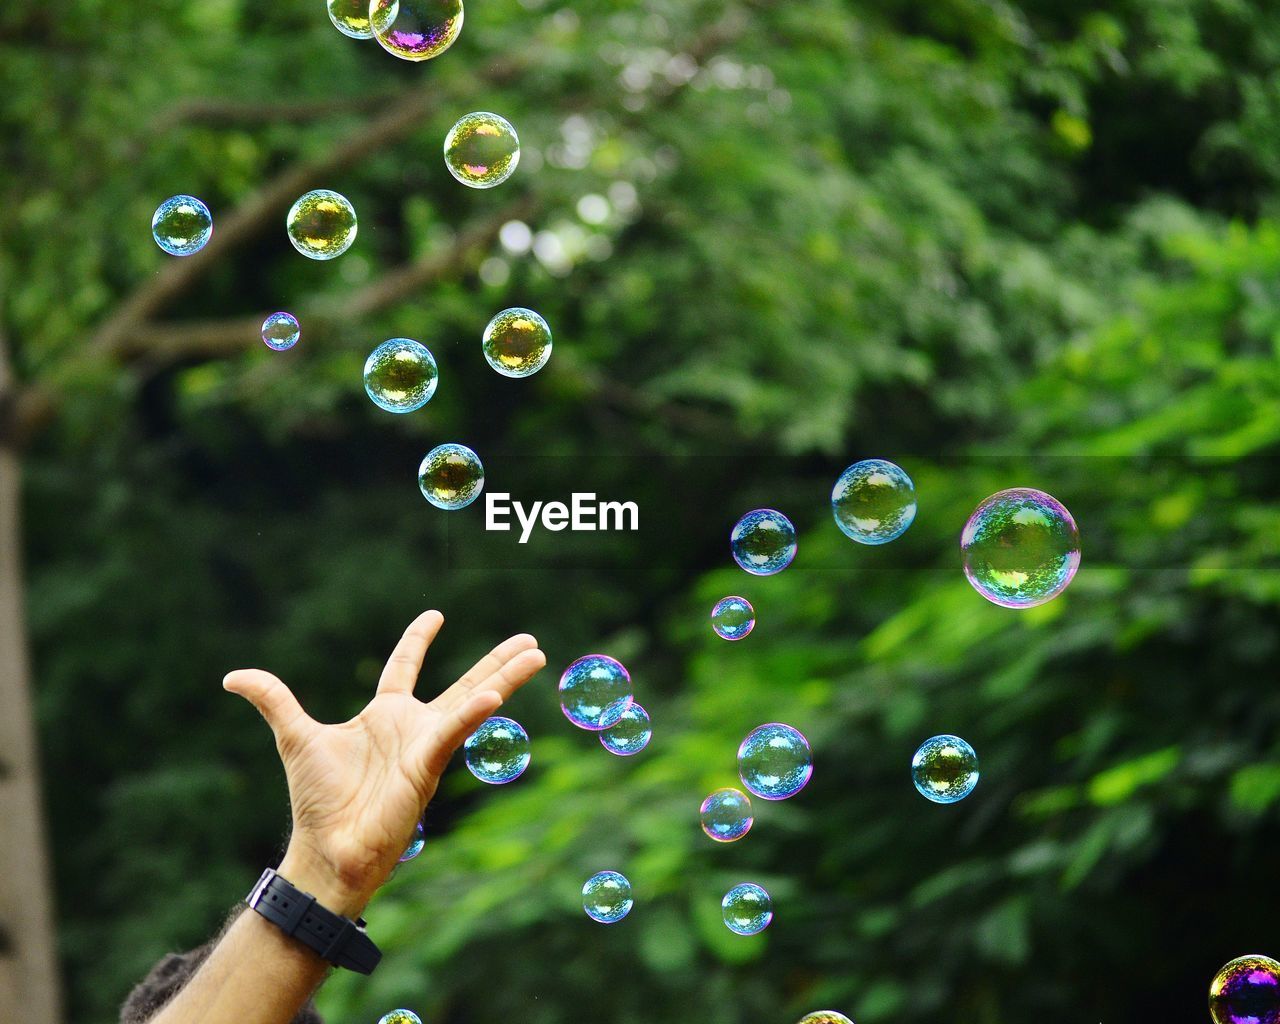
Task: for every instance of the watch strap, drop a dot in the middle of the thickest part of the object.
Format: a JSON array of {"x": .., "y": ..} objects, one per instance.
[{"x": 337, "y": 939}]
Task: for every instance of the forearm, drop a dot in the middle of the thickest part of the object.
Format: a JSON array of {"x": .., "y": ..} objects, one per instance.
[{"x": 255, "y": 974}]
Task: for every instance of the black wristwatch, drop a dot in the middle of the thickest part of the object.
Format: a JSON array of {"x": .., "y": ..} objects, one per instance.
[{"x": 335, "y": 938}]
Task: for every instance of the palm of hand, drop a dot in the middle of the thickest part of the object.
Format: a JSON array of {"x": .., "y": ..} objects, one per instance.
[{"x": 358, "y": 788}]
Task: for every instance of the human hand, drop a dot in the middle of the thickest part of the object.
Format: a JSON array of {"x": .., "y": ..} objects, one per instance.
[{"x": 357, "y": 789}]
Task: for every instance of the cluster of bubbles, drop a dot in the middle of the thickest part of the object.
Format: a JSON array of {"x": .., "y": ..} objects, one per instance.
[
  {"x": 497, "y": 752},
  {"x": 606, "y": 897},
  {"x": 1246, "y": 991},
  {"x": 416, "y": 844},
  {"x": 944, "y": 769}
]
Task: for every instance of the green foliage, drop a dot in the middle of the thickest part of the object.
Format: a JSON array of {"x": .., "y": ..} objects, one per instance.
[{"x": 1000, "y": 244}]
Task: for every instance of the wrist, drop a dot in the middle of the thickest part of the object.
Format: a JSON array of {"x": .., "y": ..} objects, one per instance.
[{"x": 308, "y": 872}]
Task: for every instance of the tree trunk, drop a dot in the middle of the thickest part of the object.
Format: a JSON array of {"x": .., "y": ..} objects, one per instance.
[{"x": 28, "y": 960}]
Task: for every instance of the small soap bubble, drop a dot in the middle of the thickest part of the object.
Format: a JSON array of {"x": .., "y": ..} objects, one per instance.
[
  {"x": 416, "y": 29},
  {"x": 182, "y": 225},
  {"x": 351, "y": 18},
  {"x": 1021, "y": 548},
  {"x": 945, "y": 769},
  {"x": 630, "y": 734},
  {"x": 726, "y": 815},
  {"x": 763, "y": 542},
  {"x": 400, "y": 375},
  {"x": 775, "y": 761},
  {"x": 517, "y": 342},
  {"x": 451, "y": 476},
  {"x": 594, "y": 692},
  {"x": 1246, "y": 991},
  {"x": 733, "y": 618},
  {"x": 280, "y": 331},
  {"x": 606, "y": 897},
  {"x": 482, "y": 150},
  {"x": 401, "y": 1017},
  {"x": 416, "y": 844},
  {"x": 873, "y": 502},
  {"x": 322, "y": 224},
  {"x": 747, "y": 909},
  {"x": 825, "y": 1017},
  {"x": 497, "y": 752}
]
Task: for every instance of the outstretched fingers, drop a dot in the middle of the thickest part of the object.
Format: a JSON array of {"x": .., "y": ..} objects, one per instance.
[
  {"x": 484, "y": 668},
  {"x": 459, "y": 723},
  {"x": 400, "y": 674},
  {"x": 274, "y": 701},
  {"x": 515, "y": 673}
]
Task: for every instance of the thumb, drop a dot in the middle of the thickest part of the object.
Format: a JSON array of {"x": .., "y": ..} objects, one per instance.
[{"x": 274, "y": 701}]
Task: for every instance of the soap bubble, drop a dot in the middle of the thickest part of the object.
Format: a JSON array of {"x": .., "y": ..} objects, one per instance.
[
  {"x": 733, "y": 618},
  {"x": 280, "y": 331},
  {"x": 945, "y": 769},
  {"x": 497, "y": 752},
  {"x": 825, "y": 1017},
  {"x": 482, "y": 150},
  {"x": 747, "y": 909},
  {"x": 351, "y": 18},
  {"x": 1246, "y": 991},
  {"x": 873, "y": 502},
  {"x": 726, "y": 815},
  {"x": 630, "y": 734},
  {"x": 606, "y": 897},
  {"x": 322, "y": 224},
  {"x": 416, "y": 29},
  {"x": 775, "y": 761},
  {"x": 594, "y": 692},
  {"x": 451, "y": 476},
  {"x": 182, "y": 225},
  {"x": 401, "y": 1017},
  {"x": 763, "y": 542},
  {"x": 517, "y": 342},
  {"x": 400, "y": 375},
  {"x": 415, "y": 846},
  {"x": 1021, "y": 548}
]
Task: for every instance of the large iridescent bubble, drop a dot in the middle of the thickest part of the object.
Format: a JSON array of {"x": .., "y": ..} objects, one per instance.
[
  {"x": 726, "y": 815},
  {"x": 630, "y": 734},
  {"x": 182, "y": 225},
  {"x": 497, "y": 752},
  {"x": 594, "y": 692},
  {"x": 775, "y": 761},
  {"x": 416, "y": 29},
  {"x": 873, "y": 502},
  {"x": 606, "y": 897},
  {"x": 400, "y": 375},
  {"x": 1020, "y": 547},
  {"x": 451, "y": 476},
  {"x": 517, "y": 342},
  {"x": 416, "y": 844},
  {"x": 322, "y": 224},
  {"x": 944, "y": 769},
  {"x": 482, "y": 150},
  {"x": 763, "y": 542},
  {"x": 732, "y": 618},
  {"x": 747, "y": 909},
  {"x": 1246, "y": 991}
]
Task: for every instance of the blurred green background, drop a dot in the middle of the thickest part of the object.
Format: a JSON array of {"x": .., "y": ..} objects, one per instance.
[{"x": 998, "y": 243}]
